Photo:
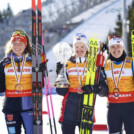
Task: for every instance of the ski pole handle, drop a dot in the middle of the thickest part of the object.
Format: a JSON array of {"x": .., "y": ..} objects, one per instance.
[
  {"x": 100, "y": 60},
  {"x": 103, "y": 47}
]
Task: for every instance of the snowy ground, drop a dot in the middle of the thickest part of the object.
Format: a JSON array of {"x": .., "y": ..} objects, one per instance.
[
  {"x": 101, "y": 20},
  {"x": 100, "y": 114},
  {"x": 100, "y": 110}
]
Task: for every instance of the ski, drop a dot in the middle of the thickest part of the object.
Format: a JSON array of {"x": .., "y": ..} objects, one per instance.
[
  {"x": 86, "y": 125},
  {"x": 132, "y": 44},
  {"x": 39, "y": 73},
  {"x": 39, "y": 76},
  {"x": 34, "y": 63},
  {"x": 36, "y": 70}
]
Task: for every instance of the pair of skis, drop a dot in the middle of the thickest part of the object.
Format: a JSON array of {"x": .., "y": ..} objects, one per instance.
[
  {"x": 87, "y": 110},
  {"x": 36, "y": 73},
  {"x": 39, "y": 73},
  {"x": 94, "y": 64}
]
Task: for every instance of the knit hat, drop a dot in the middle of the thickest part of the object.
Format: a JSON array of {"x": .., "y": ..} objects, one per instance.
[
  {"x": 115, "y": 40},
  {"x": 80, "y": 37}
]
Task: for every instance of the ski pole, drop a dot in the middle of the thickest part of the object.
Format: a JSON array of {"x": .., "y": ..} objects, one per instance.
[
  {"x": 49, "y": 115},
  {"x": 46, "y": 76}
]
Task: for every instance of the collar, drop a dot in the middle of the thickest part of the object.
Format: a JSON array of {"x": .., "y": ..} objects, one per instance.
[
  {"x": 121, "y": 58},
  {"x": 81, "y": 59},
  {"x": 19, "y": 59}
]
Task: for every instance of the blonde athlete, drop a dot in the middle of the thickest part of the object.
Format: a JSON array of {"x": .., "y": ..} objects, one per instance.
[
  {"x": 73, "y": 96},
  {"x": 16, "y": 82}
]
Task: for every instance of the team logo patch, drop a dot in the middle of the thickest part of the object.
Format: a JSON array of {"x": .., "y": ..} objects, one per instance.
[
  {"x": 118, "y": 41},
  {"x": 127, "y": 61},
  {"x": 78, "y": 38},
  {"x": 10, "y": 117},
  {"x": 11, "y": 130}
]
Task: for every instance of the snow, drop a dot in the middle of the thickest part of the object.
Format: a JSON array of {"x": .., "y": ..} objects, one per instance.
[
  {"x": 57, "y": 105},
  {"x": 100, "y": 113},
  {"x": 101, "y": 19}
]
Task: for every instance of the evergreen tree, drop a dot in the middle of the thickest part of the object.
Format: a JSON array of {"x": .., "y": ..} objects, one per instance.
[
  {"x": 6, "y": 13},
  {"x": 9, "y": 11},
  {"x": 118, "y": 28},
  {"x": 131, "y": 26},
  {"x": 1, "y": 20}
]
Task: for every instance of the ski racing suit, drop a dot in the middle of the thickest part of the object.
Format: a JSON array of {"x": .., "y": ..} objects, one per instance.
[
  {"x": 73, "y": 98},
  {"x": 120, "y": 107},
  {"x": 17, "y": 106}
]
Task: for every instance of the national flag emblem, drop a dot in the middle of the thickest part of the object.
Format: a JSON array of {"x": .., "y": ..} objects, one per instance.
[
  {"x": 127, "y": 61},
  {"x": 78, "y": 38},
  {"x": 10, "y": 117},
  {"x": 118, "y": 41}
]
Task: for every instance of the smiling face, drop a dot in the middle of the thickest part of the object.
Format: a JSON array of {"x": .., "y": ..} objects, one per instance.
[
  {"x": 116, "y": 50},
  {"x": 80, "y": 49},
  {"x": 18, "y": 47}
]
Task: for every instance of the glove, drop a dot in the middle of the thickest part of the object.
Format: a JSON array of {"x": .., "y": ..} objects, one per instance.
[
  {"x": 88, "y": 89},
  {"x": 105, "y": 47},
  {"x": 58, "y": 67}
]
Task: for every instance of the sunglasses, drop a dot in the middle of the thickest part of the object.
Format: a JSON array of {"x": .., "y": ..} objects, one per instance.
[
  {"x": 21, "y": 33},
  {"x": 114, "y": 36},
  {"x": 80, "y": 35}
]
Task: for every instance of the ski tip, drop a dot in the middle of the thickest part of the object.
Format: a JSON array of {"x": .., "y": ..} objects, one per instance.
[
  {"x": 132, "y": 32},
  {"x": 33, "y": 5},
  {"x": 39, "y": 5}
]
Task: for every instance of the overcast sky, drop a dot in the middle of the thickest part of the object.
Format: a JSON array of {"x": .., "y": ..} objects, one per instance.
[{"x": 16, "y": 5}]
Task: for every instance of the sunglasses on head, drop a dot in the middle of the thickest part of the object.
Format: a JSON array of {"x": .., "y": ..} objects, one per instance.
[
  {"x": 21, "y": 33},
  {"x": 114, "y": 36},
  {"x": 80, "y": 35}
]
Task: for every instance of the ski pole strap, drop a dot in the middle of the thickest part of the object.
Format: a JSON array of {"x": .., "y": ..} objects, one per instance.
[{"x": 100, "y": 60}]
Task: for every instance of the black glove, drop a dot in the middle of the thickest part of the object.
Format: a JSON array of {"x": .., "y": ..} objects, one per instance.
[
  {"x": 105, "y": 47},
  {"x": 58, "y": 67},
  {"x": 88, "y": 89}
]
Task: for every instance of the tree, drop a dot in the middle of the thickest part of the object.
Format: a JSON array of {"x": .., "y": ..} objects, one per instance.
[
  {"x": 6, "y": 13},
  {"x": 9, "y": 11},
  {"x": 118, "y": 28},
  {"x": 1, "y": 17},
  {"x": 131, "y": 26}
]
